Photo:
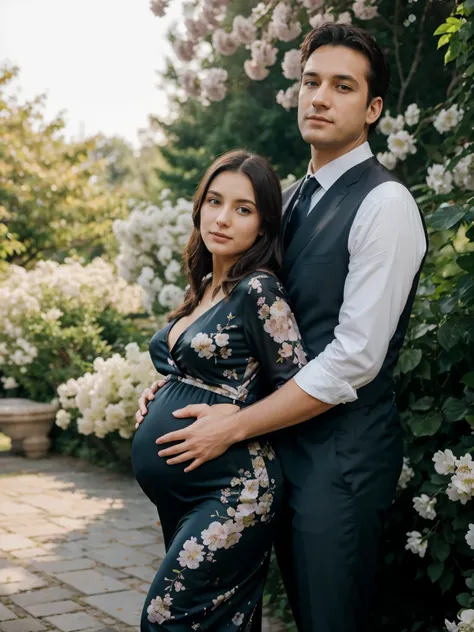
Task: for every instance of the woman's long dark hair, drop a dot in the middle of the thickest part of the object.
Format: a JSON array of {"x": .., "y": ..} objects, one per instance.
[{"x": 265, "y": 253}]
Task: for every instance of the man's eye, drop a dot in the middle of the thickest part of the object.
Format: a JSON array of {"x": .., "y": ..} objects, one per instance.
[
  {"x": 310, "y": 83},
  {"x": 344, "y": 87}
]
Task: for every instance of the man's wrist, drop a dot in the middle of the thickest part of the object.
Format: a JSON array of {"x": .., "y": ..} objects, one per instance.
[{"x": 234, "y": 427}]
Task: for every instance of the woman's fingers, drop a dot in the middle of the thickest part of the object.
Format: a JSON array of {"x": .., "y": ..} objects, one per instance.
[{"x": 147, "y": 396}]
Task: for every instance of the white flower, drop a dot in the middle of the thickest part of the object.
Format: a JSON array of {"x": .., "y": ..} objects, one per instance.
[
  {"x": 224, "y": 43},
  {"x": 250, "y": 491},
  {"x": 255, "y": 71},
  {"x": 424, "y": 505},
  {"x": 63, "y": 419},
  {"x": 282, "y": 25},
  {"x": 445, "y": 462},
  {"x": 448, "y": 119},
  {"x": 450, "y": 626},
  {"x": 213, "y": 86},
  {"x": 401, "y": 144},
  {"x": 9, "y": 382},
  {"x": 158, "y": 7},
  {"x": 171, "y": 296},
  {"x": 389, "y": 125},
  {"x": 202, "y": 344},
  {"x": 313, "y": 5},
  {"x": 185, "y": 50},
  {"x": 470, "y": 536},
  {"x": 291, "y": 64},
  {"x": 344, "y": 18},
  {"x": 388, "y": 160},
  {"x": 364, "y": 9},
  {"x": 244, "y": 30},
  {"x": 221, "y": 340},
  {"x": 440, "y": 180},
  {"x": 464, "y": 172},
  {"x": 215, "y": 536},
  {"x": 416, "y": 544},
  {"x": 191, "y": 554},
  {"x": 238, "y": 619},
  {"x": 159, "y": 609},
  {"x": 189, "y": 81},
  {"x": 406, "y": 474},
  {"x": 412, "y": 114},
  {"x": 173, "y": 271}
]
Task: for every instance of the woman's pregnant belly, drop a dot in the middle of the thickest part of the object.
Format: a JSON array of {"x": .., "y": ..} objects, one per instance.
[{"x": 153, "y": 473}]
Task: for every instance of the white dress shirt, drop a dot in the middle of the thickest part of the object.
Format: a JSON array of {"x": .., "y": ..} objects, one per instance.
[{"x": 386, "y": 246}]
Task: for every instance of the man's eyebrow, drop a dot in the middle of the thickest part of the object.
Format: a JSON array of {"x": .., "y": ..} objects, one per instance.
[
  {"x": 216, "y": 193},
  {"x": 312, "y": 73}
]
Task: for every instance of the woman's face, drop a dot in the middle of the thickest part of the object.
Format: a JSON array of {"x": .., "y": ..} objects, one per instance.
[{"x": 230, "y": 222}]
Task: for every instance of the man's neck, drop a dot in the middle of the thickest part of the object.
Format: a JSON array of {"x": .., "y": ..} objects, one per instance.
[{"x": 320, "y": 157}]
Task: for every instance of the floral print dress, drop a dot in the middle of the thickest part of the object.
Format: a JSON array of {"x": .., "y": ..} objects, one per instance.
[{"x": 217, "y": 520}]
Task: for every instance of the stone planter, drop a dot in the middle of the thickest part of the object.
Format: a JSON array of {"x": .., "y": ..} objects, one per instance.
[{"x": 27, "y": 423}]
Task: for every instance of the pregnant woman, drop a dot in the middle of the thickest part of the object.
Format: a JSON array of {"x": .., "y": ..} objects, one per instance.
[{"x": 232, "y": 341}]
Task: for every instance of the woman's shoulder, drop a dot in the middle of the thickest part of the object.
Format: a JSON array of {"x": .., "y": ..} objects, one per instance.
[{"x": 261, "y": 282}]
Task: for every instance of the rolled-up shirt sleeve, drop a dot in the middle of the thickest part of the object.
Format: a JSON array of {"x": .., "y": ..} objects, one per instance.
[{"x": 386, "y": 247}]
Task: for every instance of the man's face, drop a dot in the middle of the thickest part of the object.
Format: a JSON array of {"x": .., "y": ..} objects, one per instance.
[{"x": 332, "y": 106}]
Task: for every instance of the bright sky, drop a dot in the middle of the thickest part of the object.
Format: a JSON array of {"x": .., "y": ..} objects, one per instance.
[{"x": 97, "y": 59}]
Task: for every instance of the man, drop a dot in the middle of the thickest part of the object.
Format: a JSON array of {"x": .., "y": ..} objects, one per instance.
[{"x": 354, "y": 246}]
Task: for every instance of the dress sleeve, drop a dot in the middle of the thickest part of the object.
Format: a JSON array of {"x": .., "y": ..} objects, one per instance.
[{"x": 271, "y": 330}]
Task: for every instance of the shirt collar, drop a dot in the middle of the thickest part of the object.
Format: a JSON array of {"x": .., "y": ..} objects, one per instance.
[{"x": 331, "y": 172}]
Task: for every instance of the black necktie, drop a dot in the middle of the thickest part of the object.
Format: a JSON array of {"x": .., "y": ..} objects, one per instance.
[{"x": 300, "y": 209}]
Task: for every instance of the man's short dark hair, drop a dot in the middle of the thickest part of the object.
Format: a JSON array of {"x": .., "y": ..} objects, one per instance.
[{"x": 331, "y": 34}]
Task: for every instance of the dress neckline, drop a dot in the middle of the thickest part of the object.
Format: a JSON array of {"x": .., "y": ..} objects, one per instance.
[{"x": 173, "y": 322}]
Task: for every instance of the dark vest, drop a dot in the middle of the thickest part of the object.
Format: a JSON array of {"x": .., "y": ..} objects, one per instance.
[{"x": 316, "y": 264}]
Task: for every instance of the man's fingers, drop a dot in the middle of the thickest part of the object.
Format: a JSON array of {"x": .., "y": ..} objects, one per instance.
[
  {"x": 193, "y": 410},
  {"x": 195, "y": 464},
  {"x": 176, "y": 435},
  {"x": 187, "y": 456}
]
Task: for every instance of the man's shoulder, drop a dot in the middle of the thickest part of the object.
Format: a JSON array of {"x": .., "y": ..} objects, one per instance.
[{"x": 389, "y": 191}]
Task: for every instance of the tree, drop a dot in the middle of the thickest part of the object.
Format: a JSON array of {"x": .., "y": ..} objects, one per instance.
[{"x": 52, "y": 196}]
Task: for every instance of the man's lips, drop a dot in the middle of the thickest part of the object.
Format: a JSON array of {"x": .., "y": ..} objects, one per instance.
[{"x": 322, "y": 119}]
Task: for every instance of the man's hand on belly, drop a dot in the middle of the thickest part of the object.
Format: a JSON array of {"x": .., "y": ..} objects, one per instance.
[{"x": 205, "y": 439}]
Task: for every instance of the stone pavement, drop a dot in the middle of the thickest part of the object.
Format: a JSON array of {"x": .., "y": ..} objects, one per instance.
[{"x": 78, "y": 547}]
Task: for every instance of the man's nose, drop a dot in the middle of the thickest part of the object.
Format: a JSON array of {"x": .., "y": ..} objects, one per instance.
[{"x": 321, "y": 96}]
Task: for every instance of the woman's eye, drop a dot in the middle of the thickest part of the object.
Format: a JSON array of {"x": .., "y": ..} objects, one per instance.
[
  {"x": 212, "y": 200},
  {"x": 244, "y": 210}
]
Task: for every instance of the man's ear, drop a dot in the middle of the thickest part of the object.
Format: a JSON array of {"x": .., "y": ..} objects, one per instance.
[{"x": 374, "y": 110}]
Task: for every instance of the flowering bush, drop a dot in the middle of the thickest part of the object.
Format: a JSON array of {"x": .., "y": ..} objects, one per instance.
[
  {"x": 105, "y": 400},
  {"x": 151, "y": 242},
  {"x": 56, "y": 318}
]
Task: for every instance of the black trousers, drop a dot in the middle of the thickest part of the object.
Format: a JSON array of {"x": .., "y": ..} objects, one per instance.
[{"x": 341, "y": 474}]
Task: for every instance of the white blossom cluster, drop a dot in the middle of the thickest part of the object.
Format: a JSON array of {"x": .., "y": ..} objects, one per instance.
[
  {"x": 151, "y": 241},
  {"x": 442, "y": 180},
  {"x": 448, "y": 119},
  {"x": 400, "y": 142},
  {"x": 257, "y": 34},
  {"x": 466, "y": 622},
  {"x": 461, "y": 485},
  {"x": 416, "y": 543},
  {"x": 29, "y": 298},
  {"x": 106, "y": 400},
  {"x": 406, "y": 474},
  {"x": 425, "y": 506}
]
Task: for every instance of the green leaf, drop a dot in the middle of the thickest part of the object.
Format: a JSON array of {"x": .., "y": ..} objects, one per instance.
[
  {"x": 465, "y": 287},
  {"x": 468, "y": 379},
  {"x": 420, "y": 330},
  {"x": 441, "y": 29},
  {"x": 449, "y": 334},
  {"x": 469, "y": 4},
  {"x": 446, "y": 581},
  {"x": 443, "y": 40},
  {"x": 446, "y": 217},
  {"x": 426, "y": 425},
  {"x": 435, "y": 571},
  {"x": 466, "y": 262},
  {"x": 454, "y": 409},
  {"x": 439, "y": 549},
  {"x": 455, "y": 21},
  {"x": 469, "y": 71},
  {"x": 423, "y": 404},
  {"x": 464, "y": 600},
  {"x": 409, "y": 359}
]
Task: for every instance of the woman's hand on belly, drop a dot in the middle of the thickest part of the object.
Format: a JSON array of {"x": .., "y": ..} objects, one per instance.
[{"x": 146, "y": 397}]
